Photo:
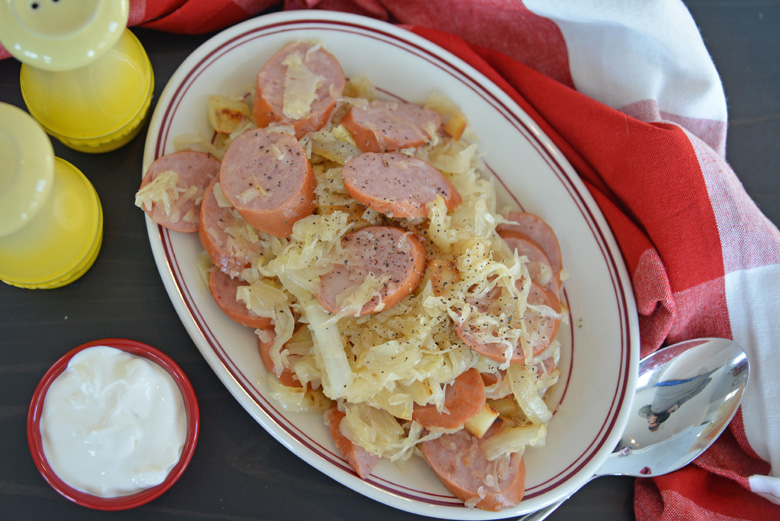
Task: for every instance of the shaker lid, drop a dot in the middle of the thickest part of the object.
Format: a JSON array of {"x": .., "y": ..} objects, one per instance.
[
  {"x": 26, "y": 168},
  {"x": 58, "y": 35}
]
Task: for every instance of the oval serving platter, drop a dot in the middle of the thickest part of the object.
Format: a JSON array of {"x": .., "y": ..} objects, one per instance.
[{"x": 600, "y": 344}]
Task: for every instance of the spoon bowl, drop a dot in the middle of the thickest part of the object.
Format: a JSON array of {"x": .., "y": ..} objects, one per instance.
[{"x": 686, "y": 395}]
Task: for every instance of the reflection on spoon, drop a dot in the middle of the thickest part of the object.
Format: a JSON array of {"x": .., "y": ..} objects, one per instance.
[{"x": 699, "y": 385}]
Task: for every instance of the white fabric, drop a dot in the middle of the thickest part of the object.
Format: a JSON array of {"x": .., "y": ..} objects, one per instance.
[
  {"x": 768, "y": 488},
  {"x": 618, "y": 58},
  {"x": 753, "y": 308}
]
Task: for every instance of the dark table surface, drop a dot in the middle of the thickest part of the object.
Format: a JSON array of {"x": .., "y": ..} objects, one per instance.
[{"x": 239, "y": 472}]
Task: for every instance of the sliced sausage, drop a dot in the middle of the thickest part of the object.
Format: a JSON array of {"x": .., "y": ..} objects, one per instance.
[
  {"x": 546, "y": 366},
  {"x": 268, "y": 179},
  {"x": 223, "y": 289},
  {"x": 539, "y": 231},
  {"x": 359, "y": 458},
  {"x": 222, "y": 232},
  {"x": 460, "y": 462},
  {"x": 286, "y": 376},
  {"x": 463, "y": 400},
  {"x": 178, "y": 209},
  {"x": 488, "y": 379},
  {"x": 397, "y": 185},
  {"x": 541, "y": 329},
  {"x": 384, "y": 251},
  {"x": 540, "y": 267},
  {"x": 387, "y": 126},
  {"x": 298, "y": 86}
]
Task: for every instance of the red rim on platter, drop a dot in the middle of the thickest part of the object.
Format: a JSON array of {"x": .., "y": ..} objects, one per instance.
[{"x": 120, "y": 502}]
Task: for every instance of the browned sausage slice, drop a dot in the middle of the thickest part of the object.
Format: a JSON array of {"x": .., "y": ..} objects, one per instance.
[
  {"x": 387, "y": 126},
  {"x": 177, "y": 208},
  {"x": 539, "y": 231},
  {"x": 541, "y": 329},
  {"x": 268, "y": 179},
  {"x": 298, "y": 86},
  {"x": 225, "y": 235},
  {"x": 223, "y": 289},
  {"x": 384, "y": 251},
  {"x": 540, "y": 267},
  {"x": 397, "y": 185},
  {"x": 462, "y": 401},
  {"x": 360, "y": 459},
  {"x": 463, "y": 468}
]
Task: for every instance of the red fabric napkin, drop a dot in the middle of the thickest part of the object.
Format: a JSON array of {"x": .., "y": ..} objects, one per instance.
[
  {"x": 679, "y": 215},
  {"x": 629, "y": 94}
]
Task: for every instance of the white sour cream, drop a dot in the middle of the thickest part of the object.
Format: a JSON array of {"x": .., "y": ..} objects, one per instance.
[{"x": 113, "y": 423}]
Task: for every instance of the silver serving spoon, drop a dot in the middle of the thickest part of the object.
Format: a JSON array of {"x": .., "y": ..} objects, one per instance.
[{"x": 686, "y": 395}]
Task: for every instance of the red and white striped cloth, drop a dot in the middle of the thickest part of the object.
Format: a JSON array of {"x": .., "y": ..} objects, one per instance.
[{"x": 630, "y": 95}]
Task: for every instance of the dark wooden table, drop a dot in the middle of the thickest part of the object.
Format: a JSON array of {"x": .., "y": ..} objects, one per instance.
[{"x": 238, "y": 471}]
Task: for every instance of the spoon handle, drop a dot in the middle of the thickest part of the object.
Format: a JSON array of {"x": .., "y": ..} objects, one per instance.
[{"x": 542, "y": 513}]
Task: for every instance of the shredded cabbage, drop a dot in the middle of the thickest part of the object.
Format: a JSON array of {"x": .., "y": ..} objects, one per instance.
[
  {"x": 227, "y": 114},
  {"x": 164, "y": 190},
  {"x": 298, "y": 399},
  {"x": 378, "y": 366},
  {"x": 300, "y": 86},
  {"x": 378, "y": 432},
  {"x": 525, "y": 387},
  {"x": 514, "y": 439}
]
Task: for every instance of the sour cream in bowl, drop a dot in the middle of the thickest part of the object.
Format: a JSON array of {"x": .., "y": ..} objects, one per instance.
[{"x": 113, "y": 424}]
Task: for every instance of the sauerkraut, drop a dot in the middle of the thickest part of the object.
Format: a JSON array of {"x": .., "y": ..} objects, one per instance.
[
  {"x": 164, "y": 191},
  {"x": 376, "y": 367}
]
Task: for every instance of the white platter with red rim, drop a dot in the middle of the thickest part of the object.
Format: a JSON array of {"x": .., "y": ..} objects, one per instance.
[{"x": 600, "y": 343}]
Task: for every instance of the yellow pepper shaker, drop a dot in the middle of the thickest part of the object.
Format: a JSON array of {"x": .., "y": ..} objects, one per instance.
[
  {"x": 85, "y": 77},
  {"x": 51, "y": 221}
]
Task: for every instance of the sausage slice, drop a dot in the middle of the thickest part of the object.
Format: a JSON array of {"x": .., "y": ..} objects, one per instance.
[
  {"x": 387, "y": 126},
  {"x": 222, "y": 232},
  {"x": 298, "y": 86},
  {"x": 384, "y": 251},
  {"x": 540, "y": 267},
  {"x": 178, "y": 206},
  {"x": 539, "y": 231},
  {"x": 462, "y": 401},
  {"x": 287, "y": 376},
  {"x": 223, "y": 289},
  {"x": 268, "y": 179},
  {"x": 541, "y": 329},
  {"x": 397, "y": 185},
  {"x": 359, "y": 458},
  {"x": 463, "y": 468}
]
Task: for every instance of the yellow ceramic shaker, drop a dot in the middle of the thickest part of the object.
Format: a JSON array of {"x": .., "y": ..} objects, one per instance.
[
  {"x": 51, "y": 221},
  {"x": 85, "y": 77}
]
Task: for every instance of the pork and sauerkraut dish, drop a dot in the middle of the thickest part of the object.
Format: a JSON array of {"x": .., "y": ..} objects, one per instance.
[{"x": 358, "y": 239}]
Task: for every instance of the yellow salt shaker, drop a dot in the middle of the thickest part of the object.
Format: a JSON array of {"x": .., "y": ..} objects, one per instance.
[
  {"x": 51, "y": 221},
  {"x": 85, "y": 77}
]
